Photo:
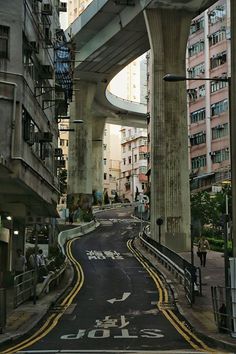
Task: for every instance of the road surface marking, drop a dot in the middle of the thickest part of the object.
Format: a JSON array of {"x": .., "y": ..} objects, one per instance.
[{"x": 124, "y": 297}]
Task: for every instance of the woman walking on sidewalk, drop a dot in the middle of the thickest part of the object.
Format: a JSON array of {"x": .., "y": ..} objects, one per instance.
[{"x": 203, "y": 247}]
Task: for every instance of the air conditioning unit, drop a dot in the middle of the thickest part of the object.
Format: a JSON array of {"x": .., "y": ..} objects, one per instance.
[
  {"x": 47, "y": 9},
  {"x": 63, "y": 6},
  {"x": 58, "y": 152},
  {"x": 212, "y": 153},
  {"x": 202, "y": 71},
  {"x": 43, "y": 137}
]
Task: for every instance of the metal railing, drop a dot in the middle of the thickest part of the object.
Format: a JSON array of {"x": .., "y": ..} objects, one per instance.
[
  {"x": 2, "y": 309},
  {"x": 23, "y": 287},
  {"x": 188, "y": 274},
  {"x": 224, "y": 307}
]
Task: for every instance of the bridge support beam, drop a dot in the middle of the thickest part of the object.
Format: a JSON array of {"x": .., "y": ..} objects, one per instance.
[
  {"x": 97, "y": 149},
  {"x": 168, "y": 32},
  {"x": 80, "y": 174}
]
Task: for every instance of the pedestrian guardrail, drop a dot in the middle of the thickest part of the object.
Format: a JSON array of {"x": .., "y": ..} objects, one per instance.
[
  {"x": 187, "y": 274},
  {"x": 23, "y": 287},
  {"x": 2, "y": 309},
  {"x": 224, "y": 307}
]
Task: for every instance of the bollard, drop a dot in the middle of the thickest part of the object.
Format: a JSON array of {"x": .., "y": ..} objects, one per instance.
[{"x": 2, "y": 309}]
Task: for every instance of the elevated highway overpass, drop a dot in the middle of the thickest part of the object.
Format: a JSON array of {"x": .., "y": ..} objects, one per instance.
[
  {"x": 109, "y": 35},
  {"x": 106, "y": 37}
]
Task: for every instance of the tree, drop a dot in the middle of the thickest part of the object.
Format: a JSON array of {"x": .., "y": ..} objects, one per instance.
[{"x": 62, "y": 176}]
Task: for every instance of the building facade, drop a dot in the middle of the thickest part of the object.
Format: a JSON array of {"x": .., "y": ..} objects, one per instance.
[
  {"x": 208, "y": 56},
  {"x": 29, "y": 189},
  {"x": 133, "y": 178}
]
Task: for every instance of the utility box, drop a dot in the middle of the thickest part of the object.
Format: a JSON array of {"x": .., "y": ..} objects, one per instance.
[{"x": 2, "y": 309}]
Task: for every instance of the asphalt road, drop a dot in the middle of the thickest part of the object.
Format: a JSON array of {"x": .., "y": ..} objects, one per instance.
[{"x": 113, "y": 304}]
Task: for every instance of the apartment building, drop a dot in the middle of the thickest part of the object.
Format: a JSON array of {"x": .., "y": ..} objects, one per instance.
[
  {"x": 133, "y": 178},
  {"x": 29, "y": 35},
  {"x": 208, "y": 56},
  {"x": 111, "y": 160}
]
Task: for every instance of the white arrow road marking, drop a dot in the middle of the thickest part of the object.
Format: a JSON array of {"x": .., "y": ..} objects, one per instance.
[{"x": 124, "y": 297}]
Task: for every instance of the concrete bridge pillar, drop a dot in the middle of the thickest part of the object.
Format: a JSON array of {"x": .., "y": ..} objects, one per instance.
[
  {"x": 80, "y": 174},
  {"x": 168, "y": 32},
  {"x": 97, "y": 162}
]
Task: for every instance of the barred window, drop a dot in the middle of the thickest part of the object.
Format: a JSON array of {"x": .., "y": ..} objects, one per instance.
[
  {"x": 198, "y": 138},
  {"x": 4, "y": 42},
  {"x": 198, "y": 115},
  {"x": 220, "y": 131},
  {"x": 219, "y": 107},
  {"x": 218, "y": 85},
  {"x": 220, "y": 155},
  {"x": 196, "y": 48},
  {"x": 218, "y": 60},
  {"x": 199, "y": 161}
]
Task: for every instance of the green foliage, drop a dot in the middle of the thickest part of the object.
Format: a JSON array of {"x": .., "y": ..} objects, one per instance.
[
  {"x": 63, "y": 180},
  {"x": 208, "y": 209},
  {"x": 86, "y": 215}
]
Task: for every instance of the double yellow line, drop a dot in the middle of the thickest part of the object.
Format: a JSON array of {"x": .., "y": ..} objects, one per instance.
[
  {"x": 186, "y": 333},
  {"x": 53, "y": 319}
]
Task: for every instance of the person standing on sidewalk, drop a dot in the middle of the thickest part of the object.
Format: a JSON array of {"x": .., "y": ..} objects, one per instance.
[
  {"x": 203, "y": 247},
  {"x": 20, "y": 262}
]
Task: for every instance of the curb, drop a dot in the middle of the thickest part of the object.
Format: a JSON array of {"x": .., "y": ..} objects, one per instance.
[{"x": 223, "y": 344}]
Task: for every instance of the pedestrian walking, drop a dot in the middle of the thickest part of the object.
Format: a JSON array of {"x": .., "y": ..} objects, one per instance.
[
  {"x": 20, "y": 262},
  {"x": 203, "y": 247}
]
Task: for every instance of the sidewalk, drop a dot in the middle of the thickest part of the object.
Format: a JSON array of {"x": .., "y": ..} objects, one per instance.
[
  {"x": 200, "y": 315},
  {"x": 23, "y": 318}
]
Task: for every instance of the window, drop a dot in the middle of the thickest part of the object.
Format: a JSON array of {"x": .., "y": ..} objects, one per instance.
[
  {"x": 129, "y": 158},
  {"x": 219, "y": 107},
  {"x": 196, "y": 70},
  {"x": 123, "y": 148},
  {"x": 4, "y": 42},
  {"x": 220, "y": 155},
  {"x": 218, "y": 85},
  {"x": 129, "y": 147},
  {"x": 202, "y": 91},
  {"x": 197, "y": 25},
  {"x": 217, "y": 14},
  {"x": 218, "y": 60},
  {"x": 124, "y": 161},
  {"x": 199, "y": 161},
  {"x": 196, "y": 48},
  {"x": 135, "y": 158},
  {"x": 142, "y": 156},
  {"x": 198, "y": 115},
  {"x": 104, "y": 147},
  {"x": 217, "y": 37},
  {"x": 143, "y": 169},
  {"x": 197, "y": 139},
  {"x": 220, "y": 131},
  {"x": 104, "y": 162}
]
